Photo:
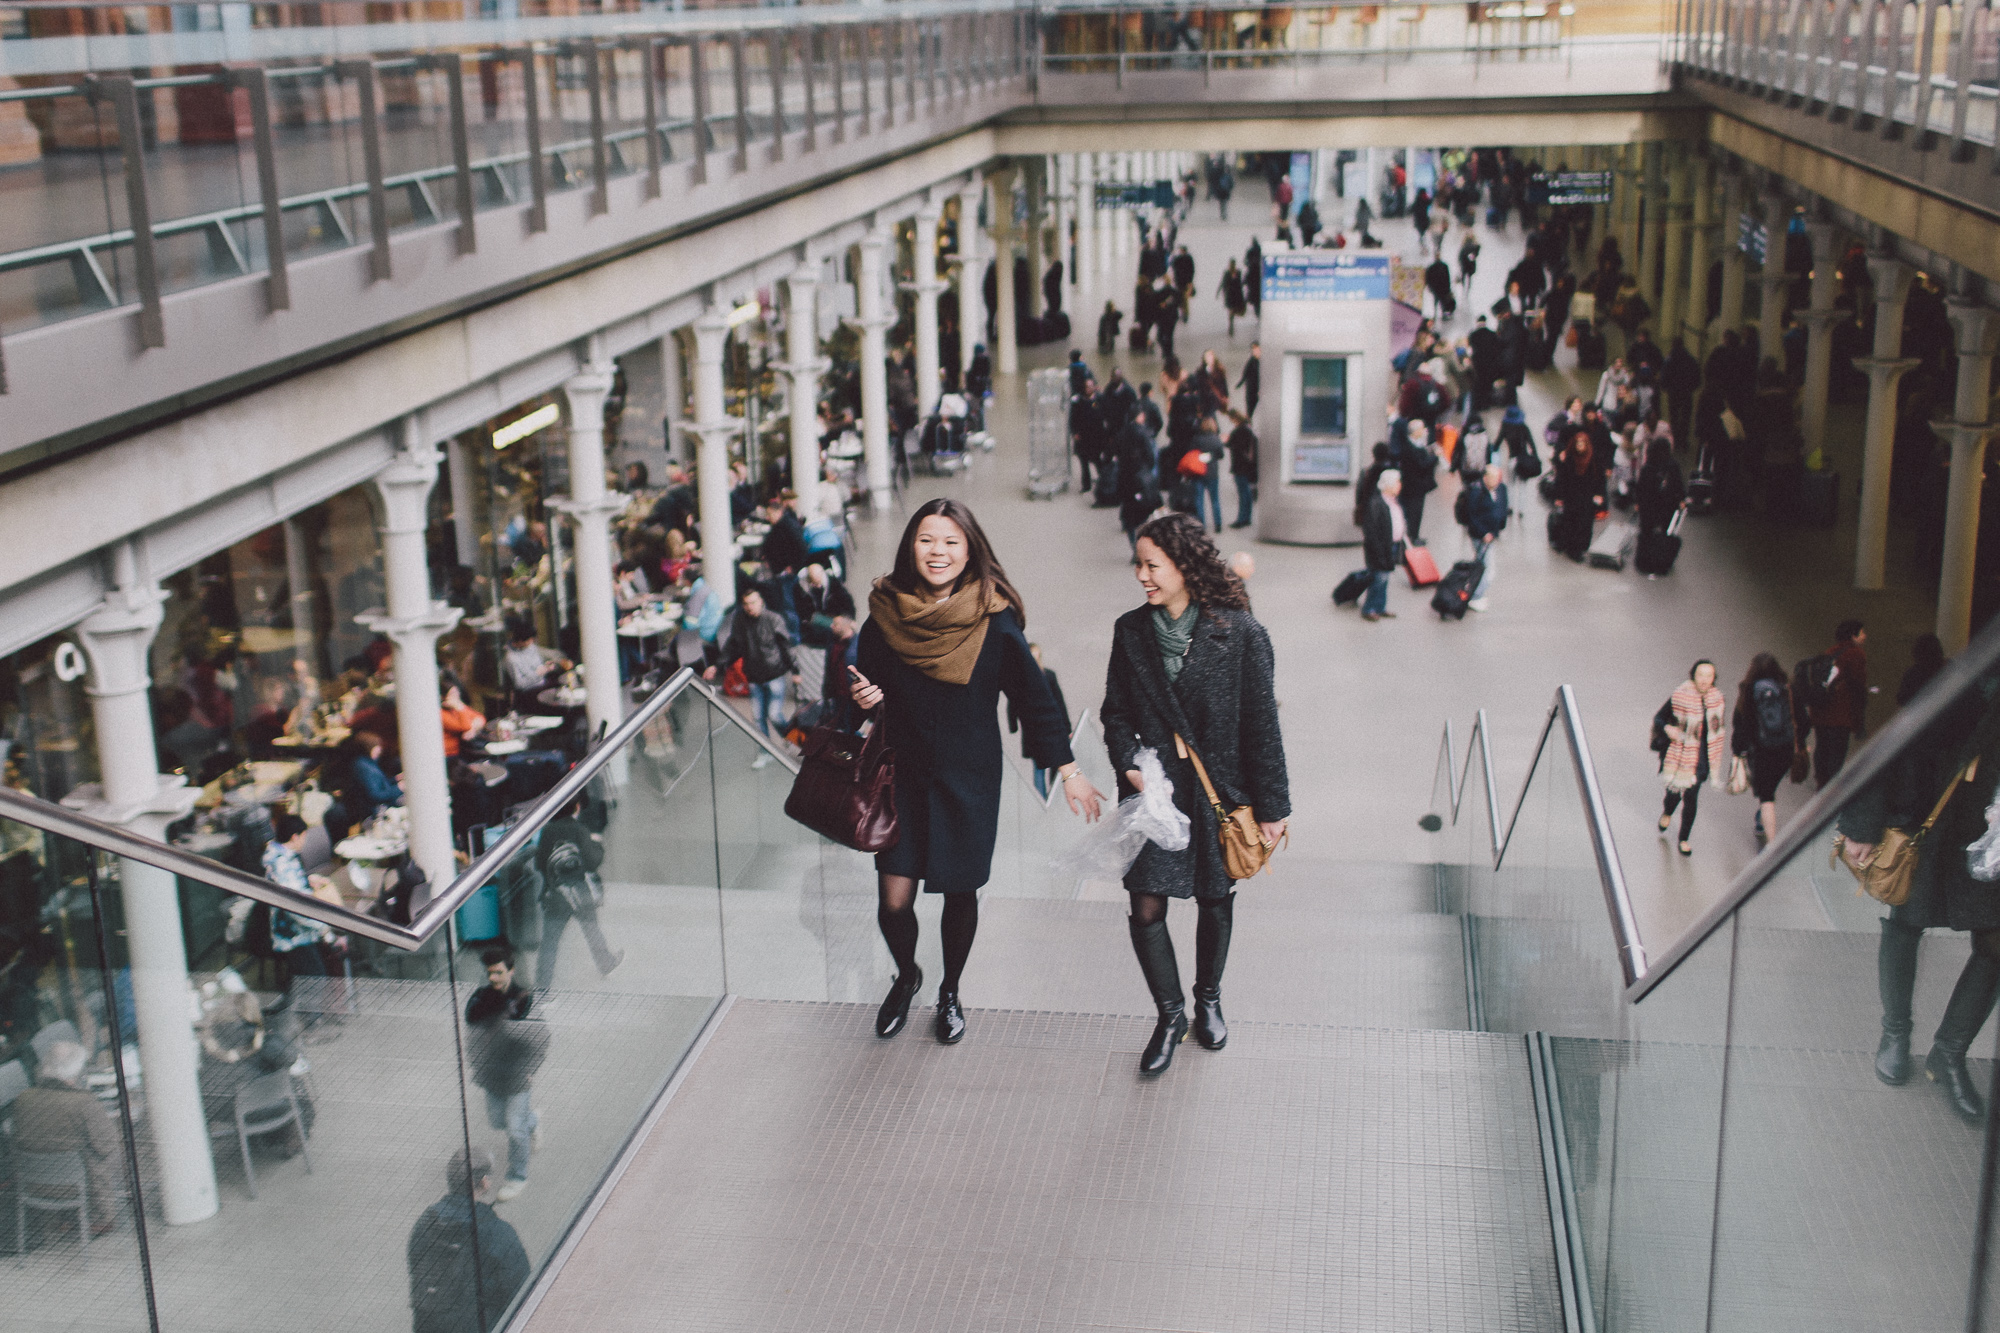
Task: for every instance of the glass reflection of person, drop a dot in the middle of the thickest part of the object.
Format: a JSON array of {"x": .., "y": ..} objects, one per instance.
[{"x": 1943, "y": 892}]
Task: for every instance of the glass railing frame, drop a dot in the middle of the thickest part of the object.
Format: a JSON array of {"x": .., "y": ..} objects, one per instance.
[
  {"x": 433, "y": 915},
  {"x": 1866, "y": 766},
  {"x": 1625, "y": 932}
]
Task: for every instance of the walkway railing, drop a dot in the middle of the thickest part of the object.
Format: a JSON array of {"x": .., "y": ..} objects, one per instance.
[
  {"x": 1705, "y": 1136},
  {"x": 1904, "y": 66}
]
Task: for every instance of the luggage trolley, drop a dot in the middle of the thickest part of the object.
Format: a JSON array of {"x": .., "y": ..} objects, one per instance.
[{"x": 1048, "y": 433}]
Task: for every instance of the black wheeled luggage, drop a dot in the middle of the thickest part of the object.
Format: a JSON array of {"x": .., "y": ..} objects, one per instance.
[
  {"x": 1455, "y": 589},
  {"x": 1351, "y": 588}
]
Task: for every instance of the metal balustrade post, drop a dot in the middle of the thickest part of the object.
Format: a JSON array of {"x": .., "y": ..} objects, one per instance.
[
  {"x": 256, "y": 86},
  {"x": 538, "y": 185},
  {"x": 1871, "y": 20},
  {"x": 600, "y": 152},
  {"x": 363, "y": 74},
  {"x": 774, "y": 58},
  {"x": 1835, "y": 40},
  {"x": 866, "y": 42},
  {"x": 906, "y": 42},
  {"x": 145, "y": 265},
  {"x": 698, "y": 72},
  {"x": 739, "y": 78},
  {"x": 453, "y": 65},
  {"x": 810, "y": 41},
  {"x": 1892, "y": 65},
  {"x": 837, "y": 37},
  {"x": 1920, "y": 112},
  {"x": 649, "y": 54},
  {"x": 1963, "y": 65}
]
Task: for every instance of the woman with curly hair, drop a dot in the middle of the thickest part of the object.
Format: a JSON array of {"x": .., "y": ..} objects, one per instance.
[{"x": 1191, "y": 670}]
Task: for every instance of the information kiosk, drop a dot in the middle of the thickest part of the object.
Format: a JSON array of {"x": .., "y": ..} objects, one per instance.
[{"x": 1326, "y": 331}]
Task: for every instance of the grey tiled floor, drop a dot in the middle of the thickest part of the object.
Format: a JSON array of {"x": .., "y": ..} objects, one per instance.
[{"x": 809, "y": 1176}]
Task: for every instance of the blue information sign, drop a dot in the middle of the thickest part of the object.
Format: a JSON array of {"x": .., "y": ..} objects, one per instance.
[
  {"x": 1134, "y": 194},
  {"x": 1325, "y": 275}
]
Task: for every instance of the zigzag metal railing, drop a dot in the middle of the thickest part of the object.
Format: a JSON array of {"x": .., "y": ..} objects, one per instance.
[{"x": 51, "y": 818}]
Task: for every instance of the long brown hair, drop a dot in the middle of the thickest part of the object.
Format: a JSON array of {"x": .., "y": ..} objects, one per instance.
[
  {"x": 1762, "y": 667},
  {"x": 981, "y": 565},
  {"x": 1183, "y": 540}
]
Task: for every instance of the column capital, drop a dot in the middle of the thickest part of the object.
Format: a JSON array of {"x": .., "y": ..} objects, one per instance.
[
  {"x": 818, "y": 365},
  {"x": 710, "y": 324},
  {"x": 149, "y": 816},
  {"x": 1964, "y": 433},
  {"x": 931, "y": 211},
  {"x": 805, "y": 275},
  {"x": 584, "y": 511},
  {"x": 117, "y": 636},
  {"x": 593, "y": 380},
  {"x": 1886, "y": 369},
  {"x": 1977, "y": 326},
  {"x": 925, "y": 288},
  {"x": 725, "y": 430},
  {"x": 405, "y": 487},
  {"x": 1891, "y": 278},
  {"x": 419, "y": 632},
  {"x": 1819, "y": 321}
]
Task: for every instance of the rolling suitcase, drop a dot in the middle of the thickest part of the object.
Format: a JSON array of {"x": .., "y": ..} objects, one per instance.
[
  {"x": 1612, "y": 547},
  {"x": 1454, "y": 590},
  {"x": 1421, "y": 568},
  {"x": 1589, "y": 347},
  {"x": 1818, "y": 499},
  {"x": 1351, "y": 587},
  {"x": 1657, "y": 551},
  {"x": 1701, "y": 487},
  {"x": 1136, "y": 339}
]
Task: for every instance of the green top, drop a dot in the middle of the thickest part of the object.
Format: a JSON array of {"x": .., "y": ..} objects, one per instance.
[{"x": 1174, "y": 636}]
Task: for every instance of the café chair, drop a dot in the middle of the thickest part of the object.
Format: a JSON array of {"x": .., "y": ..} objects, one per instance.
[
  {"x": 50, "y": 1182},
  {"x": 263, "y": 1106},
  {"x": 13, "y": 1082}
]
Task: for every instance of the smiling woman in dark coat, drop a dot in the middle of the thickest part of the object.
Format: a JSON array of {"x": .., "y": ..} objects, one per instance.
[
  {"x": 1193, "y": 663},
  {"x": 943, "y": 642}
]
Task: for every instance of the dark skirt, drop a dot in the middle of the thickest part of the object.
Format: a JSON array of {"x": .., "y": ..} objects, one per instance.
[
  {"x": 1768, "y": 768},
  {"x": 911, "y": 856}
]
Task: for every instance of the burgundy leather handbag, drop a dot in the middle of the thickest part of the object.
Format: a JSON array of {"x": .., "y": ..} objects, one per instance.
[{"x": 846, "y": 788}]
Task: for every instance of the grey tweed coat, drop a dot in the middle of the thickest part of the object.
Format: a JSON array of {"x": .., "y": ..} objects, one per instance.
[{"x": 1225, "y": 706}]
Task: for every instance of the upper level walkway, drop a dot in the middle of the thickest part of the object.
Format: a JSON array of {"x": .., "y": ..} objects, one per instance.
[{"x": 206, "y": 211}]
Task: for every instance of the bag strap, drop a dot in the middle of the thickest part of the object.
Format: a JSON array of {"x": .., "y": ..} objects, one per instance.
[
  {"x": 1965, "y": 774},
  {"x": 1186, "y": 751}
]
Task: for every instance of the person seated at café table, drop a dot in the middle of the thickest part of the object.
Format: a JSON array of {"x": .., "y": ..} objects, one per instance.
[
  {"x": 462, "y": 722},
  {"x": 58, "y": 1116},
  {"x": 371, "y": 790},
  {"x": 527, "y": 666},
  {"x": 742, "y": 495}
]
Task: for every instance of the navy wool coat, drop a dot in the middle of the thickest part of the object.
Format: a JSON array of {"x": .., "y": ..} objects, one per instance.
[
  {"x": 1225, "y": 706},
  {"x": 949, "y": 763}
]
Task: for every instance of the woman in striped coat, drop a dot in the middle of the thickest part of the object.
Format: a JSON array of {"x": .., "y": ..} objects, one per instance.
[{"x": 1696, "y": 746}]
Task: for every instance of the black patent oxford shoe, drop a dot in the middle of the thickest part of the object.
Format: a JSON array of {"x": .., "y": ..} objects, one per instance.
[{"x": 895, "y": 1010}]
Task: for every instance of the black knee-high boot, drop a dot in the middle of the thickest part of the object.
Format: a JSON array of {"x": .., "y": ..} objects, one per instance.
[
  {"x": 1971, "y": 1001},
  {"x": 1896, "y": 975},
  {"x": 1155, "y": 949},
  {"x": 1211, "y": 955}
]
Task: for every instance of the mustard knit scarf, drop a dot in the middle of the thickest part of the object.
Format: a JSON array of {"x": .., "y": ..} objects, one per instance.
[{"x": 942, "y": 639}]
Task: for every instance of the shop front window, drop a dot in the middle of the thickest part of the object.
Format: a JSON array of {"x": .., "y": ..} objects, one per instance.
[{"x": 1322, "y": 452}]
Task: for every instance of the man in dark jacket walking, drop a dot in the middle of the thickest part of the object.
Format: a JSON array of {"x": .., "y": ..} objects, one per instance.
[
  {"x": 1138, "y": 475},
  {"x": 1252, "y": 379},
  {"x": 762, "y": 642},
  {"x": 1417, "y": 464},
  {"x": 466, "y": 1264},
  {"x": 505, "y": 1048},
  {"x": 1681, "y": 378},
  {"x": 1243, "y": 467},
  {"x": 1382, "y": 542},
  {"x": 1841, "y": 716},
  {"x": 1253, "y": 276},
  {"x": 1483, "y": 509}
]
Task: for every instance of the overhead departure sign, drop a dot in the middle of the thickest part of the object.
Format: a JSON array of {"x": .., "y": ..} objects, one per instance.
[
  {"x": 1135, "y": 194},
  {"x": 1751, "y": 238},
  {"x": 1325, "y": 275},
  {"x": 1556, "y": 188}
]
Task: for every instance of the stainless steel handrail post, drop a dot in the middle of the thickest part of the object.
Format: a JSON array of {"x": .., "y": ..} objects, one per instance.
[
  {"x": 1610, "y": 873},
  {"x": 256, "y": 86}
]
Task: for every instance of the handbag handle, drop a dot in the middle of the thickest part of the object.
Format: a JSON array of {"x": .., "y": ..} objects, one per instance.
[{"x": 1965, "y": 774}]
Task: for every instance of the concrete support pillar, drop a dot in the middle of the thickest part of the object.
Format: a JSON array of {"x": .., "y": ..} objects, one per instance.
[
  {"x": 1654, "y": 240},
  {"x": 458, "y": 464},
  {"x": 1820, "y": 318},
  {"x": 1059, "y": 215},
  {"x": 1772, "y": 281},
  {"x": 412, "y": 622},
  {"x": 1626, "y": 178},
  {"x": 134, "y": 793},
  {"x": 298, "y": 577},
  {"x": 926, "y": 287},
  {"x": 1734, "y": 261},
  {"x": 1968, "y": 432},
  {"x": 1086, "y": 228},
  {"x": 874, "y": 320},
  {"x": 1892, "y": 289},
  {"x": 971, "y": 273},
  {"x": 802, "y": 366},
  {"x": 1694, "y": 321},
  {"x": 1677, "y": 219},
  {"x": 713, "y": 428},
  {"x": 675, "y": 394},
  {"x": 590, "y": 510},
  {"x": 1007, "y": 356},
  {"x": 1037, "y": 221}
]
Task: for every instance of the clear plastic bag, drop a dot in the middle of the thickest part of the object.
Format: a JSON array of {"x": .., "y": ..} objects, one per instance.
[
  {"x": 1982, "y": 858},
  {"x": 1106, "y": 850}
]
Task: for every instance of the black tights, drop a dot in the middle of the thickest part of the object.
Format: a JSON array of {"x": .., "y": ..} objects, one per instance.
[
  {"x": 1687, "y": 801},
  {"x": 1149, "y": 908},
  {"x": 896, "y": 914}
]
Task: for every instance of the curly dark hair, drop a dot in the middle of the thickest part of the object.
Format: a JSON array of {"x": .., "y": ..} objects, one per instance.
[{"x": 1183, "y": 540}]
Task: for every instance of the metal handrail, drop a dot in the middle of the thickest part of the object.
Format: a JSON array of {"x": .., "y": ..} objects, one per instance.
[
  {"x": 56, "y": 819},
  {"x": 1625, "y": 932},
  {"x": 1867, "y": 766}
]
